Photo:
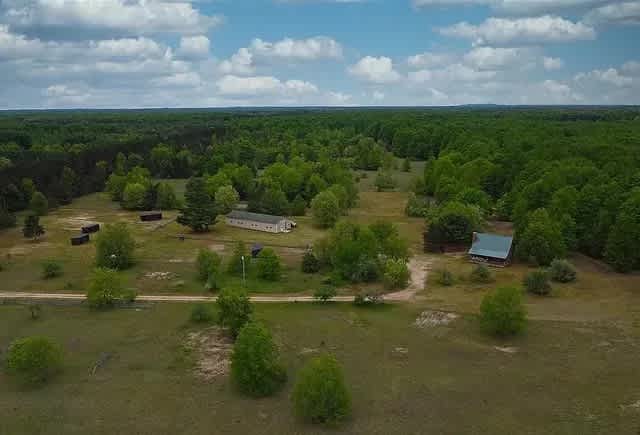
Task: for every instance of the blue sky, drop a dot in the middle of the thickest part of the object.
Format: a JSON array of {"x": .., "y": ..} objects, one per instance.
[{"x": 205, "y": 53}]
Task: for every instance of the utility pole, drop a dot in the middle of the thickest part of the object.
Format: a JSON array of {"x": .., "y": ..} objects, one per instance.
[{"x": 244, "y": 279}]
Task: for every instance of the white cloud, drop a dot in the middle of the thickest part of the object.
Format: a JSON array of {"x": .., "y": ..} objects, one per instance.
[
  {"x": 262, "y": 85},
  {"x": 552, "y": 63},
  {"x": 247, "y": 59},
  {"x": 375, "y": 70},
  {"x": 632, "y": 67},
  {"x": 194, "y": 47},
  {"x": 184, "y": 79},
  {"x": 240, "y": 63},
  {"x": 490, "y": 58},
  {"x": 139, "y": 17},
  {"x": 610, "y": 76},
  {"x": 339, "y": 98},
  {"x": 428, "y": 60},
  {"x": 378, "y": 96},
  {"x": 319, "y": 47},
  {"x": 616, "y": 13},
  {"x": 519, "y": 7},
  {"x": 507, "y": 31}
]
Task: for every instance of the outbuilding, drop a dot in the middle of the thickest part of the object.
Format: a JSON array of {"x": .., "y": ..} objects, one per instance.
[
  {"x": 260, "y": 222},
  {"x": 80, "y": 239},
  {"x": 90, "y": 228},
  {"x": 491, "y": 249},
  {"x": 151, "y": 216}
]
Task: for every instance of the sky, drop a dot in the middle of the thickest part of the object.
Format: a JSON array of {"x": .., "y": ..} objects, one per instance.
[{"x": 228, "y": 53}]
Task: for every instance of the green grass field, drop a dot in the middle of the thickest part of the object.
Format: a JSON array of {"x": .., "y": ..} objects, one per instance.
[
  {"x": 559, "y": 378},
  {"x": 164, "y": 264}
]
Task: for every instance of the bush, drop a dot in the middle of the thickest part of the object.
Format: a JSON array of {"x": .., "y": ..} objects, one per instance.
[
  {"x": 444, "y": 277},
  {"x": 268, "y": 265},
  {"x": 310, "y": 263},
  {"x": 384, "y": 181},
  {"x": 166, "y": 197},
  {"x": 562, "y": 271},
  {"x": 39, "y": 204},
  {"x": 366, "y": 298},
  {"x": 201, "y": 313},
  {"x": 416, "y": 206},
  {"x": 114, "y": 247},
  {"x": 320, "y": 394},
  {"x": 396, "y": 274},
  {"x": 35, "y": 311},
  {"x": 106, "y": 290},
  {"x": 235, "y": 262},
  {"x": 481, "y": 274},
  {"x": 208, "y": 263},
  {"x": 235, "y": 310},
  {"x": 537, "y": 282},
  {"x": 51, "y": 269},
  {"x": 255, "y": 365},
  {"x": 325, "y": 293},
  {"x": 133, "y": 196},
  {"x": 33, "y": 360},
  {"x": 502, "y": 312},
  {"x": 325, "y": 209}
]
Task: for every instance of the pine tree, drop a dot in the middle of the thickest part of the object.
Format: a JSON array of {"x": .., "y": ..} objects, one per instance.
[
  {"x": 199, "y": 211},
  {"x": 32, "y": 228}
]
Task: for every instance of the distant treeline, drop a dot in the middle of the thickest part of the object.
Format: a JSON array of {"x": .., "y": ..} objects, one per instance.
[{"x": 579, "y": 164}]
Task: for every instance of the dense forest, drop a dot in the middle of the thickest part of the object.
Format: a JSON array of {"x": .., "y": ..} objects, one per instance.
[{"x": 569, "y": 178}]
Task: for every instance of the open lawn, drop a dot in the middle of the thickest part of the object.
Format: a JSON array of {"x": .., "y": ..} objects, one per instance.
[{"x": 559, "y": 378}]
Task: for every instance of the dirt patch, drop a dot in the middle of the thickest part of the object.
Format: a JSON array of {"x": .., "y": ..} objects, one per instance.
[
  {"x": 160, "y": 276},
  {"x": 27, "y": 248},
  {"x": 212, "y": 348},
  {"x": 419, "y": 269},
  {"x": 217, "y": 247},
  {"x": 635, "y": 406},
  {"x": 506, "y": 349},
  {"x": 428, "y": 319},
  {"x": 76, "y": 222}
]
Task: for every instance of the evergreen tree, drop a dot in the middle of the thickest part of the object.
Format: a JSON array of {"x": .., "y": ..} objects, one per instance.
[
  {"x": 199, "y": 211},
  {"x": 32, "y": 228}
]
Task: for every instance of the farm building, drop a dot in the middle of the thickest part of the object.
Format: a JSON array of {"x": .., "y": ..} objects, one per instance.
[
  {"x": 260, "y": 222},
  {"x": 491, "y": 249}
]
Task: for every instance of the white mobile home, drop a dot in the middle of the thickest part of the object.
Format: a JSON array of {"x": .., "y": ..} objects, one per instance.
[{"x": 260, "y": 222}]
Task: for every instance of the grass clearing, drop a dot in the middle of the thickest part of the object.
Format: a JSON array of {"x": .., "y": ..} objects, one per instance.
[{"x": 560, "y": 377}]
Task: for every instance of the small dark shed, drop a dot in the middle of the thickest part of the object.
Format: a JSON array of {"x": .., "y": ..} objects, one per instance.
[
  {"x": 80, "y": 239},
  {"x": 92, "y": 228},
  {"x": 256, "y": 249},
  {"x": 151, "y": 216}
]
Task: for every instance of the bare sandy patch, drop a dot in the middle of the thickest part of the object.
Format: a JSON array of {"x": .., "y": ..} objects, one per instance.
[
  {"x": 506, "y": 349},
  {"x": 26, "y": 248},
  {"x": 217, "y": 247},
  {"x": 212, "y": 348},
  {"x": 160, "y": 276},
  {"x": 419, "y": 268},
  {"x": 76, "y": 222},
  {"x": 429, "y": 319}
]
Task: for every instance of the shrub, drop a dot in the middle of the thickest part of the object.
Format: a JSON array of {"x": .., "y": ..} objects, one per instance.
[
  {"x": 201, "y": 313},
  {"x": 325, "y": 293},
  {"x": 235, "y": 310},
  {"x": 502, "y": 312},
  {"x": 325, "y": 209},
  {"x": 268, "y": 265},
  {"x": 396, "y": 274},
  {"x": 235, "y": 262},
  {"x": 33, "y": 360},
  {"x": 51, "y": 269},
  {"x": 310, "y": 263},
  {"x": 384, "y": 181},
  {"x": 133, "y": 196},
  {"x": 106, "y": 290},
  {"x": 39, "y": 204},
  {"x": 35, "y": 311},
  {"x": 562, "y": 271},
  {"x": 208, "y": 263},
  {"x": 166, "y": 197},
  {"x": 255, "y": 365},
  {"x": 537, "y": 282},
  {"x": 115, "y": 247},
  {"x": 416, "y": 206},
  {"x": 444, "y": 277},
  {"x": 32, "y": 228},
  {"x": 320, "y": 394},
  {"x": 481, "y": 274},
  {"x": 366, "y": 298}
]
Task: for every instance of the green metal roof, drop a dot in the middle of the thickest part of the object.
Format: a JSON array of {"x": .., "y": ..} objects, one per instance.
[
  {"x": 255, "y": 217},
  {"x": 491, "y": 245}
]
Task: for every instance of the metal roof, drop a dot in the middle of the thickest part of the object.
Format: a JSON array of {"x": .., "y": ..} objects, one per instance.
[
  {"x": 491, "y": 245},
  {"x": 255, "y": 217}
]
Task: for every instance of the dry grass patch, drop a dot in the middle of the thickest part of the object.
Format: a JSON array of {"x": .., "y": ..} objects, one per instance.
[{"x": 212, "y": 349}]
